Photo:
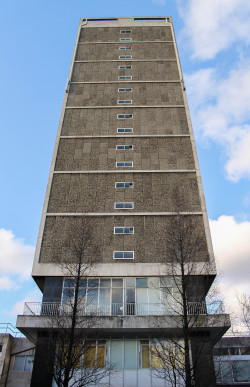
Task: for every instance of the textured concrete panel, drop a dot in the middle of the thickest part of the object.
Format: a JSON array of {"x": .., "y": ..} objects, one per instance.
[
  {"x": 101, "y": 122},
  {"x": 97, "y": 192},
  {"x": 143, "y": 94},
  {"x": 154, "y": 153},
  {"x": 109, "y": 51},
  {"x": 112, "y": 34},
  {"x": 109, "y": 71},
  {"x": 153, "y": 239}
]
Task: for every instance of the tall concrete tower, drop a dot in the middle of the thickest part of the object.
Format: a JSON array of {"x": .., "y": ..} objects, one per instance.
[{"x": 125, "y": 159}]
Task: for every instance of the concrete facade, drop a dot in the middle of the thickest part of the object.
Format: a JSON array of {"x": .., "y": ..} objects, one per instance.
[
  {"x": 16, "y": 361},
  {"x": 130, "y": 94}
]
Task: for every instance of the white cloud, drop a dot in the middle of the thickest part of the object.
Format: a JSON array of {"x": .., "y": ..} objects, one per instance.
[
  {"x": 212, "y": 26},
  {"x": 220, "y": 108},
  {"x": 33, "y": 296},
  {"x": 232, "y": 252},
  {"x": 15, "y": 259}
]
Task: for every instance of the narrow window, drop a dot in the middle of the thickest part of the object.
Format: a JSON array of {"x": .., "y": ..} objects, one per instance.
[
  {"x": 125, "y": 67},
  {"x": 125, "y": 57},
  {"x": 124, "y": 184},
  {"x": 125, "y": 39},
  {"x": 124, "y": 147},
  {"x": 125, "y": 48},
  {"x": 124, "y": 230},
  {"x": 126, "y": 32},
  {"x": 124, "y": 205},
  {"x": 124, "y": 130},
  {"x": 123, "y": 254},
  {"x": 124, "y": 89},
  {"x": 120, "y": 116},
  {"x": 124, "y": 77},
  {"x": 120, "y": 164},
  {"x": 124, "y": 101}
]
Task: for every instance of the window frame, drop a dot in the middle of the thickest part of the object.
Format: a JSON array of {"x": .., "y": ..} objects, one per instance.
[
  {"x": 124, "y": 166},
  {"x": 124, "y": 102},
  {"x": 123, "y": 233},
  {"x": 125, "y": 77},
  {"x": 124, "y": 116},
  {"x": 130, "y": 184},
  {"x": 125, "y": 130},
  {"x": 125, "y": 90},
  {"x": 124, "y": 208},
  {"x": 124, "y": 67},
  {"x": 125, "y": 48},
  {"x": 124, "y": 147},
  {"x": 125, "y": 56},
  {"x": 124, "y": 251}
]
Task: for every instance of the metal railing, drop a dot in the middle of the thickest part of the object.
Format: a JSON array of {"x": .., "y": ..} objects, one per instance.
[
  {"x": 120, "y": 309},
  {"x": 10, "y": 329}
]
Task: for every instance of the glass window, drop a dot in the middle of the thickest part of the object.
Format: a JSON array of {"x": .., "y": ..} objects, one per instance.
[
  {"x": 19, "y": 363},
  {"x": 93, "y": 283},
  {"x": 130, "y": 354},
  {"x": 125, "y": 57},
  {"x": 89, "y": 356},
  {"x": 124, "y": 90},
  {"x": 156, "y": 356},
  {"x": 69, "y": 283},
  {"x": 117, "y": 282},
  {"x": 141, "y": 282},
  {"x": 29, "y": 360},
  {"x": 105, "y": 282},
  {"x": 124, "y": 101},
  {"x": 124, "y": 205},
  {"x": 130, "y": 282},
  {"x": 121, "y": 164},
  {"x": 123, "y": 255},
  {"x": 124, "y": 147},
  {"x": 241, "y": 370},
  {"x": 124, "y": 230},
  {"x": 126, "y": 31},
  {"x": 226, "y": 371},
  {"x": 125, "y": 67},
  {"x": 125, "y": 48},
  {"x": 101, "y": 350},
  {"x": 144, "y": 361},
  {"x": 124, "y": 184},
  {"x": 120, "y": 116},
  {"x": 125, "y": 77},
  {"x": 125, "y": 39},
  {"x": 124, "y": 130},
  {"x": 116, "y": 354}
]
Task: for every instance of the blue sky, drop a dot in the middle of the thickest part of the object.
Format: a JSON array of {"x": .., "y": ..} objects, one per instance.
[{"x": 36, "y": 45}]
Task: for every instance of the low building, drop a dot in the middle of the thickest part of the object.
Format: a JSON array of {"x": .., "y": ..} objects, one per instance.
[
  {"x": 16, "y": 358},
  {"x": 232, "y": 361}
]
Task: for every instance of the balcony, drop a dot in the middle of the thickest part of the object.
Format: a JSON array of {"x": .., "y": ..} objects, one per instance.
[{"x": 132, "y": 309}]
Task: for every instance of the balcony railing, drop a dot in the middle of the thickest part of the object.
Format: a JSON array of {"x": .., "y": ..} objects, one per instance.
[{"x": 132, "y": 309}]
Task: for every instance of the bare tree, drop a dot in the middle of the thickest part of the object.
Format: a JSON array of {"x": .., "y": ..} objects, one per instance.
[
  {"x": 182, "y": 354},
  {"x": 79, "y": 358}
]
